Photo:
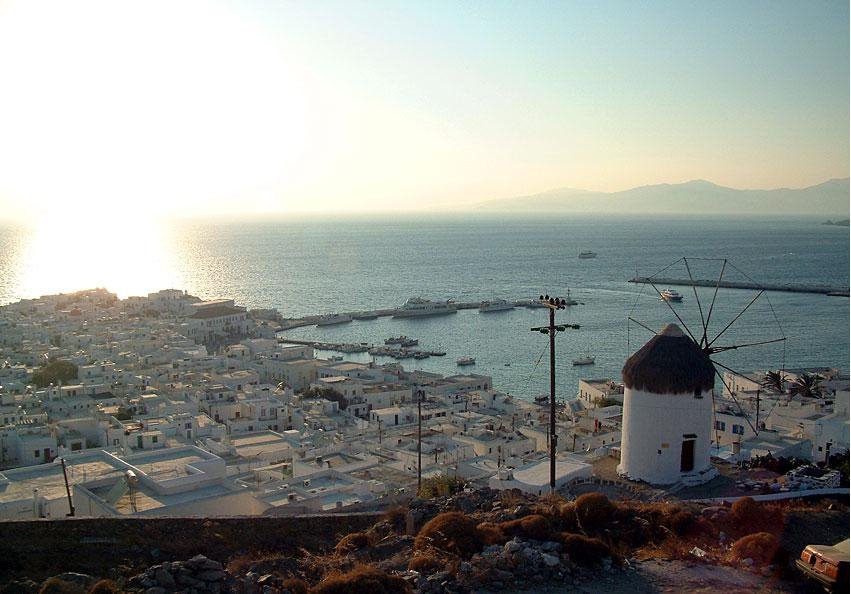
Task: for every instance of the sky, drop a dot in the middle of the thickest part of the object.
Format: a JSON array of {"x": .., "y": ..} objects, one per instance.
[{"x": 124, "y": 110}]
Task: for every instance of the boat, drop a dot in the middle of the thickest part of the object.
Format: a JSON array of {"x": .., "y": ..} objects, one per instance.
[
  {"x": 416, "y": 307},
  {"x": 584, "y": 361},
  {"x": 465, "y": 361},
  {"x": 335, "y": 358},
  {"x": 495, "y": 305},
  {"x": 401, "y": 340},
  {"x": 421, "y": 355},
  {"x": 437, "y": 353},
  {"x": 587, "y": 255},
  {"x": 670, "y": 295},
  {"x": 409, "y": 342},
  {"x": 542, "y": 399},
  {"x": 365, "y": 315},
  {"x": 331, "y": 319}
]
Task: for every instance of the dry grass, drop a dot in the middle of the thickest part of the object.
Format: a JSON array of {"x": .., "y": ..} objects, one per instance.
[
  {"x": 56, "y": 586},
  {"x": 352, "y": 542},
  {"x": 363, "y": 579},
  {"x": 427, "y": 561},
  {"x": 296, "y": 586},
  {"x": 762, "y": 547},
  {"x": 748, "y": 516},
  {"x": 396, "y": 516},
  {"x": 491, "y": 534},
  {"x": 452, "y": 532}
]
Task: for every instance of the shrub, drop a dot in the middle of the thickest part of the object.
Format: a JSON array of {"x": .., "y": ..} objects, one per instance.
[
  {"x": 747, "y": 516},
  {"x": 567, "y": 515},
  {"x": 441, "y": 485},
  {"x": 56, "y": 586},
  {"x": 351, "y": 542},
  {"x": 491, "y": 533},
  {"x": 426, "y": 562},
  {"x": 680, "y": 523},
  {"x": 535, "y": 526},
  {"x": 584, "y": 550},
  {"x": 593, "y": 511},
  {"x": 762, "y": 547},
  {"x": 396, "y": 516},
  {"x": 452, "y": 532},
  {"x": 295, "y": 586},
  {"x": 363, "y": 578},
  {"x": 105, "y": 587}
]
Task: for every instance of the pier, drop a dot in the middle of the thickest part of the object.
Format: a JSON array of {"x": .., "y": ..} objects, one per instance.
[{"x": 832, "y": 291}]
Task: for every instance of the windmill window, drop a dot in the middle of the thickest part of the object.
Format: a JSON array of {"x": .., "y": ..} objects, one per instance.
[
  {"x": 721, "y": 426},
  {"x": 739, "y": 429}
]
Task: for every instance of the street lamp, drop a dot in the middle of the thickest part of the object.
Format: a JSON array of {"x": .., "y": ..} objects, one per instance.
[{"x": 553, "y": 303}]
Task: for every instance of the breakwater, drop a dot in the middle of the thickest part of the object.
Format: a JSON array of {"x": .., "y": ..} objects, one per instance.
[{"x": 833, "y": 291}]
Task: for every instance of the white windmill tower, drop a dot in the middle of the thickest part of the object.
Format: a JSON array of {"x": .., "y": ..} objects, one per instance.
[{"x": 667, "y": 412}]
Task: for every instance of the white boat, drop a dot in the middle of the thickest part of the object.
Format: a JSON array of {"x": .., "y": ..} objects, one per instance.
[
  {"x": 331, "y": 319},
  {"x": 587, "y": 255},
  {"x": 495, "y": 305},
  {"x": 669, "y": 295},
  {"x": 584, "y": 361},
  {"x": 465, "y": 361},
  {"x": 418, "y": 307},
  {"x": 542, "y": 399}
]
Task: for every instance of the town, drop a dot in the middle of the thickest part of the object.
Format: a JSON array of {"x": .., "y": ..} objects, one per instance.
[{"x": 170, "y": 406}]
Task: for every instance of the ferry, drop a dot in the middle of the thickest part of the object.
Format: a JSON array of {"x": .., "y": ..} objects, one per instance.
[
  {"x": 365, "y": 315},
  {"x": 418, "y": 307},
  {"x": 465, "y": 361},
  {"x": 495, "y": 305},
  {"x": 331, "y": 319},
  {"x": 669, "y": 295},
  {"x": 584, "y": 361},
  {"x": 587, "y": 255}
]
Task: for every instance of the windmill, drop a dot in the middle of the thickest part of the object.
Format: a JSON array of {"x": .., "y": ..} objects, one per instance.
[{"x": 711, "y": 337}]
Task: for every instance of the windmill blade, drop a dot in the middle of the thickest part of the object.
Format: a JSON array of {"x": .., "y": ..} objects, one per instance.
[
  {"x": 736, "y": 318},
  {"x": 645, "y": 326},
  {"x": 730, "y": 392},
  {"x": 712, "y": 305},
  {"x": 671, "y": 307},
  {"x": 696, "y": 298},
  {"x": 721, "y": 349}
]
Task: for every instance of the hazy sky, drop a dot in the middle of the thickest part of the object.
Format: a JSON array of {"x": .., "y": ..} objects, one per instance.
[{"x": 122, "y": 109}]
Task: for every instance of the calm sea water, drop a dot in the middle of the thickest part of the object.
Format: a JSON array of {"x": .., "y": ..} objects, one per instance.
[{"x": 318, "y": 265}]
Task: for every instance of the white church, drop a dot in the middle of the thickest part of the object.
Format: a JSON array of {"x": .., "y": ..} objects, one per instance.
[{"x": 667, "y": 412}]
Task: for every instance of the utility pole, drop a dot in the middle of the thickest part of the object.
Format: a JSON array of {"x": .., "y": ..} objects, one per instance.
[
  {"x": 67, "y": 488},
  {"x": 419, "y": 440},
  {"x": 379, "y": 431},
  {"x": 553, "y": 303}
]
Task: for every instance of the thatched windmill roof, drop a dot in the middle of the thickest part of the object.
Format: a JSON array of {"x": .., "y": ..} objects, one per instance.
[{"x": 670, "y": 363}]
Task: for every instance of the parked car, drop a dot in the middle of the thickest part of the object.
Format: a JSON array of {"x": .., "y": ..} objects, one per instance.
[{"x": 826, "y": 564}]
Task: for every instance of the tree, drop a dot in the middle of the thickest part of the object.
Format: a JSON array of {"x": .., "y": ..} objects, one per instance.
[
  {"x": 327, "y": 394},
  {"x": 775, "y": 380},
  {"x": 807, "y": 385},
  {"x": 56, "y": 370}
]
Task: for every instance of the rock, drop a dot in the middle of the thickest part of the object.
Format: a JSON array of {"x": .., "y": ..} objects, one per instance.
[
  {"x": 200, "y": 563},
  {"x": 81, "y": 579},
  {"x": 550, "y": 546},
  {"x": 439, "y": 576},
  {"x": 512, "y": 546},
  {"x": 185, "y": 580},
  {"x": 550, "y": 560},
  {"x": 155, "y": 590},
  {"x": 211, "y": 575},
  {"x": 163, "y": 578},
  {"x": 491, "y": 550},
  {"x": 747, "y": 561}
]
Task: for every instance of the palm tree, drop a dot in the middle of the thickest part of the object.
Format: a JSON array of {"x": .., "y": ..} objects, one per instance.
[
  {"x": 775, "y": 380},
  {"x": 807, "y": 385}
]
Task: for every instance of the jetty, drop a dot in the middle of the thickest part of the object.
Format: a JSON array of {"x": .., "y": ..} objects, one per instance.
[{"x": 833, "y": 291}]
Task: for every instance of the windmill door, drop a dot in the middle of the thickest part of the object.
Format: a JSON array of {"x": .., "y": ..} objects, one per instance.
[{"x": 687, "y": 456}]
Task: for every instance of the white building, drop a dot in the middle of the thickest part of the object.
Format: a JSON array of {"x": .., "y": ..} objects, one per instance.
[{"x": 667, "y": 415}]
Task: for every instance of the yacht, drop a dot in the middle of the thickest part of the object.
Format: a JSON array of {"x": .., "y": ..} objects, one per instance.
[
  {"x": 669, "y": 295},
  {"x": 584, "y": 361},
  {"x": 465, "y": 361},
  {"x": 418, "y": 307},
  {"x": 587, "y": 255},
  {"x": 495, "y": 305},
  {"x": 331, "y": 319},
  {"x": 401, "y": 340}
]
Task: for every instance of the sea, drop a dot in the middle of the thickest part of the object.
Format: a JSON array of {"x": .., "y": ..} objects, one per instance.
[{"x": 319, "y": 264}]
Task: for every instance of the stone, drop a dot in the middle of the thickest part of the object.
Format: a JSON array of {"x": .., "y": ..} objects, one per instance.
[
  {"x": 211, "y": 575},
  {"x": 155, "y": 590},
  {"x": 550, "y": 560},
  {"x": 512, "y": 546},
  {"x": 163, "y": 578},
  {"x": 185, "y": 580},
  {"x": 747, "y": 561},
  {"x": 81, "y": 579}
]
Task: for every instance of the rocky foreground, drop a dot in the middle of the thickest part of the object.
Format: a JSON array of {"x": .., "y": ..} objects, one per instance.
[{"x": 487, "y": 541}]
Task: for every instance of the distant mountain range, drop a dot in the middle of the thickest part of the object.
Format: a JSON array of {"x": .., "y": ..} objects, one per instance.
[{"x": 830, "y": 198}]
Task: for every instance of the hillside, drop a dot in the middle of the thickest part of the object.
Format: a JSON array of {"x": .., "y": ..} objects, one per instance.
[{"x": 829, "y": 199}]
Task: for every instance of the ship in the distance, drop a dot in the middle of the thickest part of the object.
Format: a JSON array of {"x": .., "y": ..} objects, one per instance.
[{"x": 418, "y": 307}]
